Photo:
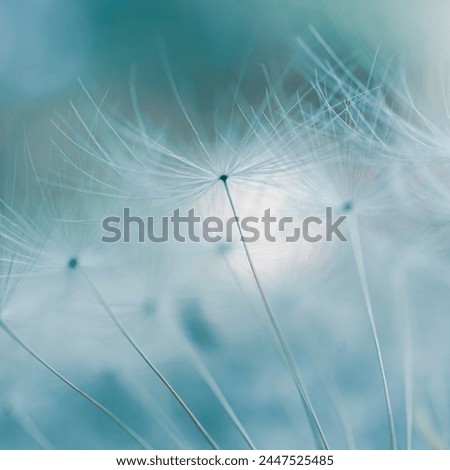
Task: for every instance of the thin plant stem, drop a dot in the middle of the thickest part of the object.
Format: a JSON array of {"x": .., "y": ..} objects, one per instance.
[
  {"x": 142, "y": 443},
  {"x": 216, "y": 390},
  {"x": 156, "y": 371},
  {"x": 401, "y": 288},
  {"x": 359, "y": 259},
  {"x": 281, "y": 340}
]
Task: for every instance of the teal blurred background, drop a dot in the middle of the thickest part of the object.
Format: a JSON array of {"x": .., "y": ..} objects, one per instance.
[
  {"x": 211, "y": 47},
  {"x": 46, "y": 45}
]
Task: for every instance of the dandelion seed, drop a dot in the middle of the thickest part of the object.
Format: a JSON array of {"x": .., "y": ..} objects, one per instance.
[
  {"x": 74, "y": 265},
  {"x": 5, "y": 295}
]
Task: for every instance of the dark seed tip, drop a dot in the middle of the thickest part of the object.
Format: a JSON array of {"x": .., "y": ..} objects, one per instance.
[
  {"x": 72, "y": 264},
  {"x": 223, "y": 178},
  {"x": 347, "y": 206}
]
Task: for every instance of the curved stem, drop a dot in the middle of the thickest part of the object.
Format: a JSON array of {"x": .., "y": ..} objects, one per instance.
[
  {"x": 142, "y": 443},
  {"x": 156, "y": 371},
  {"x": 357, "y": 251},
  {"x": 217, "y": 391},
  {"x": 400, "y": 282},
  {"x": 279, "y": 336}
]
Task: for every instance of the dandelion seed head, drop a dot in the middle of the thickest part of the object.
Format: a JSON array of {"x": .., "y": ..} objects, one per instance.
[{"x": 354, "y": 141}]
